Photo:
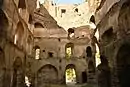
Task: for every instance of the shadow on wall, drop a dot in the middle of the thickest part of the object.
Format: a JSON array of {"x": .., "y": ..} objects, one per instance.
[
  {"x": 123, "y": 65},
  {"x": 3, "y": 23},
  {"x": 1, "y": 3},
  {"x": 47, "y": 74}
]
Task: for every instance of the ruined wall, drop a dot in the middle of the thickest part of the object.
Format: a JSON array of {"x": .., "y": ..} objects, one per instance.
[
  {"x": 112, "y": 32},
  {"x": 16, "y": 42}
]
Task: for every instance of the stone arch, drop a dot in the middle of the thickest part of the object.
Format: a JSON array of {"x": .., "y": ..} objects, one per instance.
[
  {"x": 108, "y": 36},
  {"x": 3, "y": 23},
  {"x": 69, "y": 49},
  {"x": 19, "y": 33},
  {"x": 18, "y": 73},
  {"x": 47, "y": 74},
  {"x": 89, "y": 51},
  {"x": 123, "y": 65},
  {"x": 38, "y": 25},
  {"x": 71, "y": 66}
]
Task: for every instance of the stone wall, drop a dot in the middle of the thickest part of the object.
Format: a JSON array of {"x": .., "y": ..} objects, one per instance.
[
  {"x": 113, "y": 32},
  {"x": 16, "y": 42}
]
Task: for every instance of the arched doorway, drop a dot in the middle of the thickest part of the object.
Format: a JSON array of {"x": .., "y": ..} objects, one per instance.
[
  {"x": 70, "y": 74},
  {"x": 84, "y": 77},
  {"x": 18, "y": 73},
  {"x": 123, "y": 65},
  {"x": 47, "y": 74}
]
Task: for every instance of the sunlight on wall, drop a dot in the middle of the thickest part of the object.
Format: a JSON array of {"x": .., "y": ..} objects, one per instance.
[
  {"x": 15, "y": 39},
  {"x": 97, "y": 34},
  {"x": 27, "y": 81},
  {"x": 97, "y": 56},
  {"x": 37, "y": 53},
  {"x": 70, "y": 76}
]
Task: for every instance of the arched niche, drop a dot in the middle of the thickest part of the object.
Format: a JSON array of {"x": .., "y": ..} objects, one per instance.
[
  {"x": 3, "y": 23},
  {"x": 19, "y": 34},
  {"x": 123, "y": 65},
  {"x": 47, "y": 74},
  {"x": 69, "y": 49},
  {"x": 18, "y": 73},
  {"x": 38, "y": 25},
  {"x": 108, "y": 36},
  {"x": 89, "y": 51},
  {"x": 70, "y": 74}
]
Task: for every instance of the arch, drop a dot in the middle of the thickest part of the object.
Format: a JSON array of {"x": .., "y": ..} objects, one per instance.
[
  {"x": 89, "y": 51},
  {"x": 38, "y": 25},
  {"x": 18, "y": 38},
  {"x": 18, "y": 73},
  {"x": 123, "y": 65},
  {"x": 47, "y": 74},
  {"x": 69, "y": 47},
  {"x": 3, "y": 23},
  {"x": 22, "y": 4},
  {"x": 70, "y": 74},
  {"x": 92, "y": 19},
  {"x": 108, "y": 36}
]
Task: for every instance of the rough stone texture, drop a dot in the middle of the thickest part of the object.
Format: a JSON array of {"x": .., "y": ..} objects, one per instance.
[
  {"x": 13, "y": 56},
  {"x": 23, "y": 27},
  {"x": 74, "y": 15},
  {"x": 114, "y": 39}
]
